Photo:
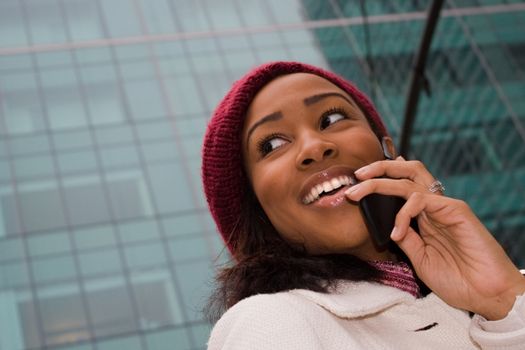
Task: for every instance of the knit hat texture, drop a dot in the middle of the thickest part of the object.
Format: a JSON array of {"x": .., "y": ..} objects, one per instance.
[{"x": 223, "y": 175}]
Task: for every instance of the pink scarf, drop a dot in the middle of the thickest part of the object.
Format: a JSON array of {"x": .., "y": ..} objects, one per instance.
[{"x": 398, "y": 275}]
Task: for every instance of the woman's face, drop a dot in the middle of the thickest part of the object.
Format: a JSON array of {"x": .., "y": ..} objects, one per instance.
[{"x": 302, "y": 140}]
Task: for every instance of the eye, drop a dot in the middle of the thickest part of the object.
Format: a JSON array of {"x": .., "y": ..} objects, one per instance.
[
  {"x": 330, "y": 117},
  {"x": 270, "y": 144}
]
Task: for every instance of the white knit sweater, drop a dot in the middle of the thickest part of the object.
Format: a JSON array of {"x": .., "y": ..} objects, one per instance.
[{"x": 361, "y": 315}]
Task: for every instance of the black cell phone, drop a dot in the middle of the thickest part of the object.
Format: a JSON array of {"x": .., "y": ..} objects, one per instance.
[{"x": 380, "y": 213}]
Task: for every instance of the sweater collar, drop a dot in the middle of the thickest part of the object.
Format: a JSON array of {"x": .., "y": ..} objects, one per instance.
[
  {"x": 399, "y": 275},
  {"x": 357, "y": 299}
]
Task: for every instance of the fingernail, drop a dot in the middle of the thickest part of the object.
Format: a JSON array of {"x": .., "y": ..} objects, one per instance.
[
  {"x": 395, "y": 233},
  {"x": 352, "y": 190},
  {"x": 362, "y": 171}
]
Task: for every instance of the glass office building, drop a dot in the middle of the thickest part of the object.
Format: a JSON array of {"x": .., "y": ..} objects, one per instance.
[{"x": 105, "y": 238}]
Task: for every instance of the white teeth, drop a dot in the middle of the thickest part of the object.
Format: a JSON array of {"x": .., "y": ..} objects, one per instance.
[
  {"x": 327, "y": 186},
  {"x": 311, "y": 197}
]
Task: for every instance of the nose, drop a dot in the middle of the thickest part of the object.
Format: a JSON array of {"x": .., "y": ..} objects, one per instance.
[{"x": 314, "y": 148}]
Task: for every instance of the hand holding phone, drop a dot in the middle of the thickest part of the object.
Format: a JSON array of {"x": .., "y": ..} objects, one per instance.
[{"x": 380, "y": 213}]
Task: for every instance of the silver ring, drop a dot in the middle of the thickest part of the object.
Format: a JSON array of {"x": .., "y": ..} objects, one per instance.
[{"x": 436, "y": 186}]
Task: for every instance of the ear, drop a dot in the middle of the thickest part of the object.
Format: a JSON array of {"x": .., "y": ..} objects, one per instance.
[{"x": 389, "y": 150}]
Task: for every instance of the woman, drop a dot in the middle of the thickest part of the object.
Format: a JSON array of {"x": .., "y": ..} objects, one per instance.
[{"x": 288, "y": 154}]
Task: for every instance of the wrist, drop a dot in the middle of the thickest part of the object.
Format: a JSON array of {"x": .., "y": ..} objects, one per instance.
[{"x": 498, "y": 308}]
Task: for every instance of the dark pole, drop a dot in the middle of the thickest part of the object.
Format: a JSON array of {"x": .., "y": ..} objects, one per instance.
[{"x": 418, "y": 79}]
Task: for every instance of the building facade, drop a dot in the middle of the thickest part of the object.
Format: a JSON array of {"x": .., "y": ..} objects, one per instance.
[{"x": 105, "y": 238}]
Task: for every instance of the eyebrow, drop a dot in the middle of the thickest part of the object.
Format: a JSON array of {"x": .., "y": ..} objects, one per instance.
[
  {"x": 269, "y": 118},
  {"x": 316, "y": 98},
  {"x": 307, "y": 102}
]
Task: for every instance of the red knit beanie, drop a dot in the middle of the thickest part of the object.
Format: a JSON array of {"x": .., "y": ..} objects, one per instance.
[{"x": 223, "y": 176}]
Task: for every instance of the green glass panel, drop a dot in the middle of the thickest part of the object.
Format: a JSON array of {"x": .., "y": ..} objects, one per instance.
[
  {"x": 128, "y": 195},
  {"x": 165, "y": 340},
  {"x": 160, "y": 151},
  {"x": 189, "y": 248},
  {"x": 5, "y": 171},
  {"x": 128, "y": 343},
  {"x": 11, "y": 249},
  {"x": 170, "y": 190},
  {"x": 45, "y": 21},
  {"x": 13, "y": 63},
  {"x": 53, "y": 269},
  {"x": 196, "y": 287},
  {"x": 111, "y": 309},
  {"x": 117, "y": 157},
  {"x": 77, "y": 347},
  {"x": 44, "y": 244},
  {"x": 157, "y": 15},
  {"x": 254, "y": 13},
  {"x": 223, "y": 15},
  {"x": 156, "y": 285},
  {"x": 80, "y": 194},
  {"x": 189, "y": 224},
  {"x": 62, "y": 315},
  {"x": 155, "y": 130},
  {"x": 95, "y": 237},
  {"x": 145, "y": 255},
  {"x": 144, "y": 99},
  {"x": 201, "y": 333},
  {"x": 13, "y": 275},
  {"x": 64, "y": 105},
  {"x": 114, "y": 135},
  {"x": 34, "y": 167},
  {"x": 83, "y": 19},
  {"x": 104, "y": 103},
  {"x": 127, "y": 23},
  {"x": 72, "y": 139},
  {"x": 21, "y": 104},
  {"x": 184, "y": 96},
  {"x": 26, "y": 145},
  {"x": 90, "y": 56},
  {"x": 175, "y": 65},
  {"x": 100, "y": 262},
  {"x": 12, "y": 24},
  {"x": 190, "y": 17},
  {"x": 84, "y": 161},
  {"x": 136, "y": 231},
  {"x": 54, "y": 59},
  {"x": 38, "y": 205}
]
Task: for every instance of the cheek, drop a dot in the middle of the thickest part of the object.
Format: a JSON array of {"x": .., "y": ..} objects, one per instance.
[
  {"x": 273, "y": 190},
  {"x": 271, "y": 195},
  {"x": 269, "y": 183},
  {"x": 364, "y": 146}
]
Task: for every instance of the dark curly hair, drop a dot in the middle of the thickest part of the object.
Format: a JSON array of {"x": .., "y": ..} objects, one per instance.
[{"x": 266, "y": 263}]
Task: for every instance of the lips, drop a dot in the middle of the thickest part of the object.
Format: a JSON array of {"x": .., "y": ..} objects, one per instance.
[{"x": 325, "y": 183}]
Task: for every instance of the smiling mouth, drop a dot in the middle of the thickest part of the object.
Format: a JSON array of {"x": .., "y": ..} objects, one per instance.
[{"x": 328, "y": 188}]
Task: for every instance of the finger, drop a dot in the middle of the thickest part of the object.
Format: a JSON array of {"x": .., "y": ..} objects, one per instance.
[
  {"x": 393, "y": 187},
  {"x": 406, "y": 238},
  {"x": 398, "y": 169},
  {"x": 412, "y": 245}
]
